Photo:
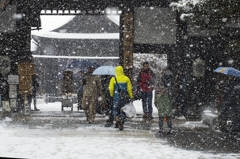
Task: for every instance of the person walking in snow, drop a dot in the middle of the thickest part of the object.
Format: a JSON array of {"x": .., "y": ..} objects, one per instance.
[
  {"x": 230, "y": 106},
  {"x": 125, "y": 85},
  {"x": 181, "y": 95},
  {"x": 91, "y": 90},
  {"x": 145, "y": 82},
  {"x": 80, "y": 90},
  {"x": 35, "y": 86},
  {"x": 163, "y": 89},
  {"x": 108, "y": 100}
]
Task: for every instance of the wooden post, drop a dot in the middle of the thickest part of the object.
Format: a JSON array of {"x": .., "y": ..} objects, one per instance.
[
  {"x": 25, "y": 71},
  {"x": 128, "y": 45}
]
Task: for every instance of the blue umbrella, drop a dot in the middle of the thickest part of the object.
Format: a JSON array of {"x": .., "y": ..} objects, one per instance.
[
  {"x": 105, "y": 70},
  {"x": 82, "y": 64},
  {"x": 228, "y": 71}
]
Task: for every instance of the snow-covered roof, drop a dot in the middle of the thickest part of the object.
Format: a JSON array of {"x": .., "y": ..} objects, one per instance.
[
  {"x": 67, "y": 27},
  {"x": 80, "y": 35}
]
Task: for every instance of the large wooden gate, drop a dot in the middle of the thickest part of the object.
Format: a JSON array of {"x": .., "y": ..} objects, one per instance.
[{"x": 164, "y": 33}]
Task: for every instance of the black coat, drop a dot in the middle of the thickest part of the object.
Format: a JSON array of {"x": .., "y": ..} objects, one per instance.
[{"x": 232, "y": 93}]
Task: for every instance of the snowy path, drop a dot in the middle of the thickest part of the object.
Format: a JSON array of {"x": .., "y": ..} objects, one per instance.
[
  {"x": 91, "y": 141},
  {"x": 80, "y": 140}
]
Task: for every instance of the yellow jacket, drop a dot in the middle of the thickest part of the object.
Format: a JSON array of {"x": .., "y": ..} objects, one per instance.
[{"x": 123, "y": 81}]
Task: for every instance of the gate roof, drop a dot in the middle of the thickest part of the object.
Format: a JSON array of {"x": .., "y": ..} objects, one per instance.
[{"x": 97, "y": 4}]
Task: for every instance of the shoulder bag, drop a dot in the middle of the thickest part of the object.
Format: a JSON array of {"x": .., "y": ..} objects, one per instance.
[{"x": 123, "y": 95}]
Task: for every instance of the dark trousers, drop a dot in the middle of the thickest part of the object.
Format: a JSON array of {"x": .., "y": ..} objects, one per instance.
[
  {"x": 169, "y": 122},
  {"x": 181, "y": 103},
  {"x": 80, "y": 96},
  {"x": 117, "y": 105},
  {"x": 230, "y": 111},
  {"x": 109, "y": 109},
  {"x": 34, "y": 100},
  {"x": 147, "y": 102},
  {"x": 109, "y": 113}
]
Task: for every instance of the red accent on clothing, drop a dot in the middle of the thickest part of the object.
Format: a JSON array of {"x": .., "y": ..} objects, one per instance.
[{"x": 146, "y": 76}]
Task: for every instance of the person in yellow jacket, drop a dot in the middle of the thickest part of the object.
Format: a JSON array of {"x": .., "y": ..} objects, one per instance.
[{"x": 125, "y": 85}]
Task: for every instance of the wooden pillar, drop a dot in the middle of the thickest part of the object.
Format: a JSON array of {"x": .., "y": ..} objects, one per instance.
[
  {"x": 126, "y": 60},
  {"x": 23, "y": 32}
]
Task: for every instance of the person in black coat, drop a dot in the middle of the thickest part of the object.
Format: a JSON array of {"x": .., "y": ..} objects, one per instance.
[
  {"x": 181, "y": 95},
  {"x": 80, "y": 90},
  {"x": 230, "y": 106},
  {"x": 35, "y": 86},
  {"x": 108, "y": 104}
]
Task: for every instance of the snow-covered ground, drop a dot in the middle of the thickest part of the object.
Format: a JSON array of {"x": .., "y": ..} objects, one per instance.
[
  {"x": 57, "y": 107},
  {"x": 89, "y": 141}
]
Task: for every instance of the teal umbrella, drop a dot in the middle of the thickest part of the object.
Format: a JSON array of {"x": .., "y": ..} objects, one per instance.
[{"x": 105, "y": 70}]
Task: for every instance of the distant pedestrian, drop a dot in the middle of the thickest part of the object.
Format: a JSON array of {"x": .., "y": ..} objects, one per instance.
[
  {"x": 35, "y": 86},
  {"x": 145, "y": 82},
  {"x": 91, "y": 91},
  {"x": 80, "y": 90},
  {"x": 163, "y": 89},
  {"x": 125, "y": 85},
  {"x": 108, "y": 100},
  {"x": 181, "y": 95},
  {"x": 230, "y": 106}
]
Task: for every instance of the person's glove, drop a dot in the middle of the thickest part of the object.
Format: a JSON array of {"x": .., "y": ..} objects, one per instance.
[
  {"x": 147, "y": 82},
  {"x": 101, "y": 99},
  {"x": 84, "y": 81}
]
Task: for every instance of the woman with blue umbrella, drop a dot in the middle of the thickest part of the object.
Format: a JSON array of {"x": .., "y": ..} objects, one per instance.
[
  {"x": 106, "y": 73},
  {"x": 230, "y": 106}
]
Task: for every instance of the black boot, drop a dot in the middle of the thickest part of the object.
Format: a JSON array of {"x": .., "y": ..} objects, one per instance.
[
  {"x": 160, "y": 131},
  {"x": 169, "y": 123},
  {"x": 121, "y": 126},
  {"x": 117, "y": 124},
  {"x": 150, "y": 117},
  {"x": 223, "y": 126},
  {"x": 35, "y": 109},
  {"x": 109, "y": 124},
  {"x": 145, "y": 115}
]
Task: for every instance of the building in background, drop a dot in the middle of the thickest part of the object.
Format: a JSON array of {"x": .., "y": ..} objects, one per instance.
[{"x": 84, "y": 40}]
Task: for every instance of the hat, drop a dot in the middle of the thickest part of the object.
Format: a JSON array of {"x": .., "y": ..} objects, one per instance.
[
  {"x": 91, "y": 66},
  {"x": 35, "y": 74}
]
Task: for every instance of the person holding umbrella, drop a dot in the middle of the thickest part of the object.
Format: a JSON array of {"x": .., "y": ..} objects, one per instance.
[
  {"x": 231, "y": 102},
  {"x": 106, "y": 73},
  {"x": 108, "y": 100}
]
